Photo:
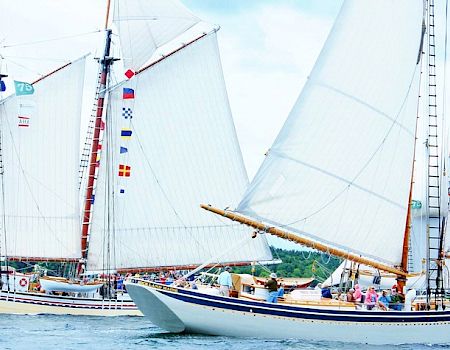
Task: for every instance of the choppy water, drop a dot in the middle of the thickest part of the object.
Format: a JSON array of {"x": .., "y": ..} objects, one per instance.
[{"x": 75, "y": 332}]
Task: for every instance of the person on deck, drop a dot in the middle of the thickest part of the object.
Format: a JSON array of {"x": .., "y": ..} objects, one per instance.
[
  {"x": 357, "y": 295},
  {"x": 350, "y": 295},
  {"x": 272, "y": 286},
  {"x": 325, "y": 292},
  {"x": 371, "y": 298},
  {"x": 281, "y": 291},
  {"x": 397, "y": 299},
  {"x": 225, "y": 282},
  {"x": 384, "y": 300}
]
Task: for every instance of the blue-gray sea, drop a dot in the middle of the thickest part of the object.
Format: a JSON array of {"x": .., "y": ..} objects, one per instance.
[{"x": 120, "y": 333}]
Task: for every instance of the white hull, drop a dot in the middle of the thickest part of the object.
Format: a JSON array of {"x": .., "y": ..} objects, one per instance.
[
  {"x": 177, "y": 311},
  {"x": 64, "y": 286},
  {"x": 38, "y": 303}
]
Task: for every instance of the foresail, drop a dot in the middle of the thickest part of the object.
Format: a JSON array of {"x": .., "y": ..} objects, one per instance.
[
  {"x": 40, "y": 145},
  {"x": 145, "y": 25},
  {"x": 339, "y": 172},
  {"x": 172, "y": 145}
]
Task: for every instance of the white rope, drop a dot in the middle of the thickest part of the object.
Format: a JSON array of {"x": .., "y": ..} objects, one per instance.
[{"x": 215, "y": 259}]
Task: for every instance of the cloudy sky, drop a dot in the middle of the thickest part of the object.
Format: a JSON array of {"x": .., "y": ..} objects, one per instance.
[{"x": 268, "y": 48}]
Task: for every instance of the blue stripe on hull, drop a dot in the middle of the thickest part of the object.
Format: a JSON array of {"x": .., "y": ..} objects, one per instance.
[{"x": 307, "y": 313}]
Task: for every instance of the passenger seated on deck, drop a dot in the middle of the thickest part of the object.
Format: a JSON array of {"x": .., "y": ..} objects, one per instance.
[
  {"x": 350, "y": 296},
  {"x": 357, "y": 295},
  {"x": 371, "y": 298},
  {"x": 326, "y": 293},
  {"x": 397, "y": 299},
  {"x": 384, "y": 300}
]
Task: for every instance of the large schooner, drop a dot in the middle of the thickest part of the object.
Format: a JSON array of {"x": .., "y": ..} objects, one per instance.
[
  {"x": 156, "y": 136},
  {"x": 339, "y": 179}
]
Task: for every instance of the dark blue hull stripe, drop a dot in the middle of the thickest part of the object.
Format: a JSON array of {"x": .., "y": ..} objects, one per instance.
[{"x": 307, "y": 313}]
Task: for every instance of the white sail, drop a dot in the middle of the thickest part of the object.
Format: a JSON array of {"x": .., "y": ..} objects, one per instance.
[
  {"x": 339, "y": 171},
  {"x": 40, "y": 145},
  {"x": 145, "y": 25},
  {"x": 183, "y": 151}
]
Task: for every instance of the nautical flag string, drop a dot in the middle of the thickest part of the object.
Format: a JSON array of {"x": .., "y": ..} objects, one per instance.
[
  {"x": 129, "y": 73},
  {"x": 23, "y": 88},
  {"x": 128, "y": 93},
  {"x": 123, "y": 150},
  {"x": 99, "y": 148},
  {"x": 102, "y": 125},
  {"x": 24, "y": 122},
  {"x": 97, "y": 161},
  {"x": 126, "y": 133},
  {"x": 124, "y": 170},
  {"x": 122, "y": 190},
  {"x": 127, "y": 113}
]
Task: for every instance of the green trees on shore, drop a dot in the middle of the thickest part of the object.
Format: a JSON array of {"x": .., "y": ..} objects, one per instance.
[{"x": 295, "y": 264}]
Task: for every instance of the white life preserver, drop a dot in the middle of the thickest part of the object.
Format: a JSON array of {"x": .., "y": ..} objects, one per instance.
[{"x": 23, "y": 282}]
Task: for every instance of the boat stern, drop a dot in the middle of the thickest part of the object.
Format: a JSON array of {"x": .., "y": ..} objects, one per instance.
[{"x": 148, "y": 300}]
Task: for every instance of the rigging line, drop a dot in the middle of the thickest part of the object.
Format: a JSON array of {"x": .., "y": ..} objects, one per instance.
[
  {"x": 368, "y": 162},
  {"x": 348, "y": 182},
  {"x": 216, "y": 259},
  {"x": 151, "y": 18},
  {"x": 49, "y": 40},
  {"x": 444, "y": 86},
  {"x": 368, "y": 106},
  {"x": 37, "y": 58},
  {"x": 164, "y": 192},
  {"x": 23, "y": 67},
  {"x": 2, "y": 173},
  {"x": 30, "y": 187}
]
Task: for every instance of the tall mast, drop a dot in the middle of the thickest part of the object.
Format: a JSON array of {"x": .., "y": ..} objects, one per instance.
[
  {"x": 401, "y": 281},
  {"x": 105, "y": 63}
]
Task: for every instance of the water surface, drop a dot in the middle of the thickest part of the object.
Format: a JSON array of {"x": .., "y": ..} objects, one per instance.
[{"x": 86, "y": 333}]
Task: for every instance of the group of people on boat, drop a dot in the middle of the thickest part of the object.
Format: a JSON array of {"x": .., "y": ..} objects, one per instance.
[
  {"x": 386, "y": 300},
  {"x": 163, "y": 277}
]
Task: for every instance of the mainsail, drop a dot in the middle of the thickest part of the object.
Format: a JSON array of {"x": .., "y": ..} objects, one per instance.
[
  {"x": 169, "y": 144},
  {"x": 340, "y": 170},
  {"x": 40, "y": 141}
]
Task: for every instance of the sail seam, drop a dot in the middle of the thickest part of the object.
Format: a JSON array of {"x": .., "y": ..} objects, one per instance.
[
  {"x": 365, "y": 104},
  {"x": 349, "y": 182}
]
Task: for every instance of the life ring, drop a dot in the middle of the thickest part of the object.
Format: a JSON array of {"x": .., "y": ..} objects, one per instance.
[{"x": 23, "y": 282}]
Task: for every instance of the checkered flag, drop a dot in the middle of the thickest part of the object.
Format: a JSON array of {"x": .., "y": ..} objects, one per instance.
[{"x": 127, "y": 113}]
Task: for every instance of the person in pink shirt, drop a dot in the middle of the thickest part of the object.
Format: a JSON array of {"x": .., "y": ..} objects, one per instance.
[
  {"x": 357, "y": 294},
  {"x": 371, "y": 298}
]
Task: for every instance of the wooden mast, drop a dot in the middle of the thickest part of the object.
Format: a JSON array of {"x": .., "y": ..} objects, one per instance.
[
  {"x": 401, "y": 280},
  {"x": 105, "y": 63},
  {"x": 304, "y": 241},
  {"x": 108, "y": 5}
]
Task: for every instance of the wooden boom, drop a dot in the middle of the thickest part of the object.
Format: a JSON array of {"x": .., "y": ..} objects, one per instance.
[{"x": 304, "y": 241}]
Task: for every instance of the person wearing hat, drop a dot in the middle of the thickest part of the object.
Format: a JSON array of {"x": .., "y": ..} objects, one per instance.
[
  {"x": 272, "y": 285},
  {"x": 350, "y": 296},
  {"x": 384, "y": 300},
  {"x": 225, "y": 282}
]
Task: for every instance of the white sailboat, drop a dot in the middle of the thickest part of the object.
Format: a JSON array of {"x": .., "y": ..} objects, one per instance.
[
  {"x": 338, "y": 178},
  {"x": 143, "y": 168}
]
